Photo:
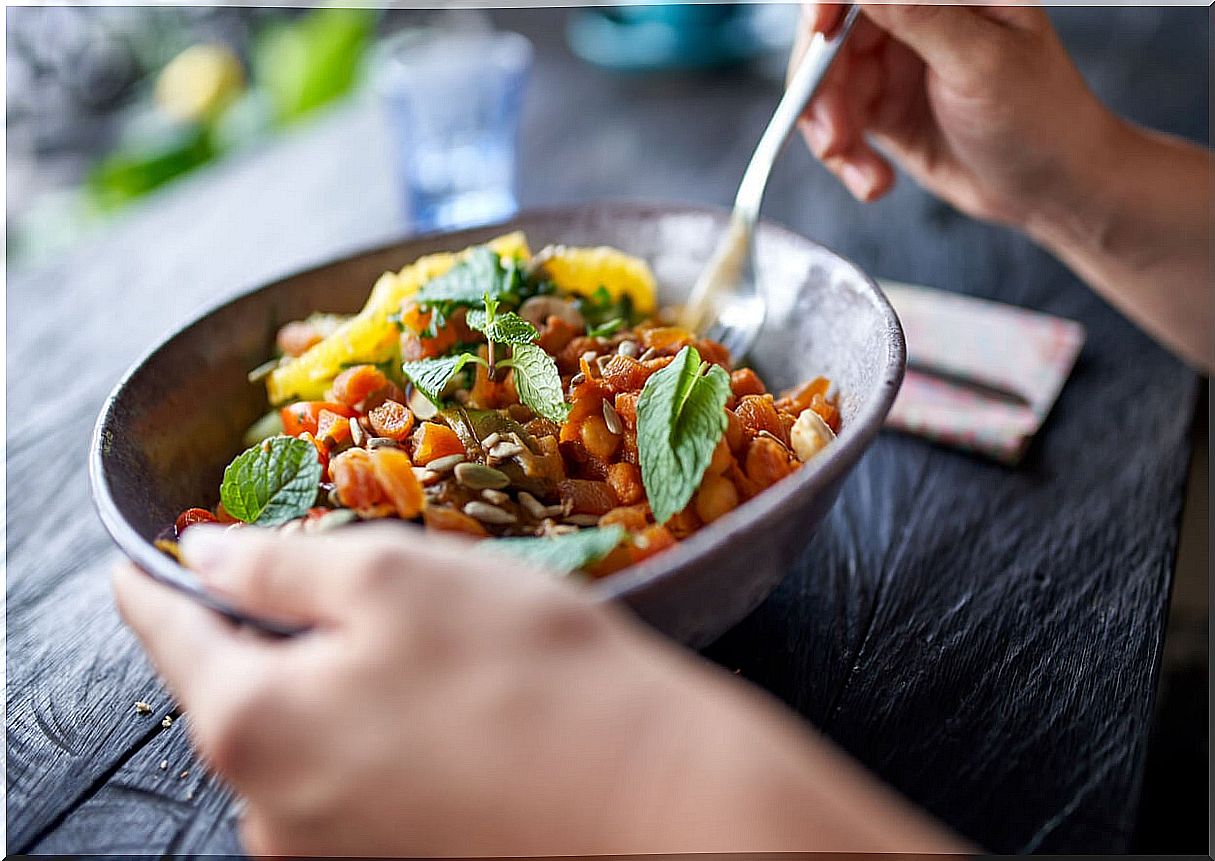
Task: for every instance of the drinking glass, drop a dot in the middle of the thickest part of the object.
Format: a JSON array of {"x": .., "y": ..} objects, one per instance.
[{"x": 452, "y": 99}]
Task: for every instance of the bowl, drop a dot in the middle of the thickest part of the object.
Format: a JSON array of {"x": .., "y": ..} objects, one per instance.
[{"x": 176, "y": 418}]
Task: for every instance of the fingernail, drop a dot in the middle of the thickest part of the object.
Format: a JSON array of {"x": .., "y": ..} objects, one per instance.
[
  {"x": 205, "y": 547},
  {"x": 817, "y": 134},
  {"x": 858, "y": 180}
]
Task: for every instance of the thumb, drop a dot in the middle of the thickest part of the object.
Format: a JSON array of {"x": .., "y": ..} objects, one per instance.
[{"x": 958, "y": 43}]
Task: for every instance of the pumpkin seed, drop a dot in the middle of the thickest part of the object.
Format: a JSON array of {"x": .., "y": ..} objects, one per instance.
[
  {"x": 583, "y": 519},
  {"x": 420, "y": 405},
  {"x": 446, "y": 463},
  {"x": 487, "y": 513},
  {"x": 478, "y": 476},
  {"x": 611, "y": 418},
  {"x": 533, "y": 506}
]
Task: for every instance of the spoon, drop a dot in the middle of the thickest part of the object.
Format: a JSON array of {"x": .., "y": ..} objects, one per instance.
[{"x": 726, "y": 304}]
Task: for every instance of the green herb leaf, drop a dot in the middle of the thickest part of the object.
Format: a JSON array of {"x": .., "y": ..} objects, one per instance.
[
  {"x": 272, "y": 482},
  {"x": 680, "y": 419},
  {"x": 507, "y": 328},
  {"x": 538, "y": 382},
  {"x": 607, "y": 330},
  {"x": 466, "y": 283},
  {"x": 563, "y": 553},
  {"x": 431, "y": 376}
]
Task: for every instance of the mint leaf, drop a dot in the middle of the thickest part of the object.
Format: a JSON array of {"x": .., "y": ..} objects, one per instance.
[
  {"x": 538, "y": 382},
  {"x": 563, "y": 553},
  {"x": 481, "y": 273},
  {"x": 680, "y": 419},
  {"x": 507, "y": 328},
  {"x": 431, "y": 376},
  {"x": 272, "y": 482}
]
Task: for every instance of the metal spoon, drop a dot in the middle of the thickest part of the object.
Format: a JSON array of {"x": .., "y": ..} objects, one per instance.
[{"x": 727, "y": 304}]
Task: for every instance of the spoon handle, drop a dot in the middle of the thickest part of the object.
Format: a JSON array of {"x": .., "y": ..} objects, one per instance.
[{"x": 814, "y": 65}]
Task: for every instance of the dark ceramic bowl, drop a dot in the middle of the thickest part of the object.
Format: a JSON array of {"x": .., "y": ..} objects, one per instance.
[{"x": 176, "y": 419}]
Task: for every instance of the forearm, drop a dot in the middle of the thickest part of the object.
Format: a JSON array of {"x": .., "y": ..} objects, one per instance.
[
  {"x": 1136, "y": 226},
  {"x": 729, "y": 770}
]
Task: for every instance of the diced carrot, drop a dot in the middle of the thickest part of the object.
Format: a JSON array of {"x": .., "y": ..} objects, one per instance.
[
  {"x": 296, "y": 337},
  {"x": 626, "y": 408},
  {"x": 798, "y": 398},
  {"x": 355, "y": 479},
  {"x": 304, "y": 416},
  {"x": 827, "y": 411},
  {"x": 634, "y": 518},
  {"x": 666, "y": 338},
  {"x": 446, "y": 519},
  {"x": 684, "y": 523},
  {"x": 758, "y": 413},
  {"x": 391, "y": 419},
  {"x": 767, "y": 462},
  {"x": 353, "y": 385},
  {"x": 191, "y": 516},
  {"x": 620, "y": 558},
  {"x": 587, "y": 497},
  {"x": 736, "y": 437},
  {"x": 625, "y": 481},
  {"x": 556, "y": 335},
  {"x": 332, "y": 430},
  {"x": 653, "y": 539},
  {"x": 432, "y": 441},
  {"x": 745, "y": 381},
  {"x": 394, "y": 471},
  {"x": 583, "y": 408}
]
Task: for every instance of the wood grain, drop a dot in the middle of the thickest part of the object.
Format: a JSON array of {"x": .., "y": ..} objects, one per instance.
[{"x": 985, "y": 639}]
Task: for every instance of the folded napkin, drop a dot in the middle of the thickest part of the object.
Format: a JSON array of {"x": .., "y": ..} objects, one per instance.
[{"x": 981, "y": 375}]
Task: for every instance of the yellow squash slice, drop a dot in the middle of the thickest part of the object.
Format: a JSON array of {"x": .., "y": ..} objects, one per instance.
[
  {"x": 369, "y": 336},
  {"x": 585, "y": 270}
]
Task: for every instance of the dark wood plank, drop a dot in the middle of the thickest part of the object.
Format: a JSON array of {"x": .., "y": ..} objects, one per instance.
[{"x": 986, "y": 639}]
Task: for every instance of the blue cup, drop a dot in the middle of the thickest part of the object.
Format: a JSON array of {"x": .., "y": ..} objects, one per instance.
[{"x": 453, "y": 100}]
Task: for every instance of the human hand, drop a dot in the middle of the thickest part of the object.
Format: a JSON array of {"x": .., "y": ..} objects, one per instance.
[
  {"x": 445, "y": 703},
  {"x": 980, "y": 105}
]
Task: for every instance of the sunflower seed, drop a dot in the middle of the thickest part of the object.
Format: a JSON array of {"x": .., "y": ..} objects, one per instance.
[
  {"x": 356, "y": 433},
  {"x": 554, "y": 510},
  {"x": 627, "y": 348},
  {"x": 382, "y": 442},
  {"x": 602, "y": 361},
  {"x": 611, "y": 418},
  {"x": 478, "y": 476},
  {"x": 445, "y": 464},
  {"x": 578, "y": 379},
  {"x": 425, "y": 477},
  {"x": 534, "y": 507},
  {"x": 588, "y": 356},
  {"x": 496, "y": 497},
  {"x": 503, "y": 450},
  {"x": 551, "y": 528},
  {"x": 334, "y": 499},
  {"x": 583, "y": 519},
  {"x": 491, "y": 440},
  {"x": 648, "y": 354},
  {"x": 774, "y": 438},
  {"x": 487, "y": 513}
]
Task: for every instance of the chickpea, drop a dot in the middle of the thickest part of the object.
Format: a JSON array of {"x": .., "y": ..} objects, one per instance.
[
  {"x": 716, "y": 496},
  {"x": 721, "y": 458},
  {"x": 597, "y": 439}
]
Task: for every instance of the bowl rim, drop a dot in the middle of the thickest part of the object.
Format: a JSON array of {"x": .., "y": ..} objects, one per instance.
[{"x": 826, "y": 469}]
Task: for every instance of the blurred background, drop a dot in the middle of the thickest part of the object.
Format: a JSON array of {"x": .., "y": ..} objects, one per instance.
[{"x": 295, "y": 135}]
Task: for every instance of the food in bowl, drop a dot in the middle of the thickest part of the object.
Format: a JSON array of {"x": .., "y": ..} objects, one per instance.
[{"x": 544, "y": 401}]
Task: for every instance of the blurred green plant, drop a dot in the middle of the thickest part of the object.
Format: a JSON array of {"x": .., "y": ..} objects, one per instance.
[{"x": 204, "y": 109}]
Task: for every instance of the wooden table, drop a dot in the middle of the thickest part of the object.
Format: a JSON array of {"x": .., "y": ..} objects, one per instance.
[{"x": 986, "y": 639}]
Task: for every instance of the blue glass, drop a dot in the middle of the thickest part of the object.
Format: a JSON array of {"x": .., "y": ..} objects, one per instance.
[{"x": 453, "y": 101}]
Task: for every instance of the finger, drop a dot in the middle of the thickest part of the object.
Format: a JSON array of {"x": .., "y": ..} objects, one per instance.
[
  {"x": 193, "y": 648},
  {"x": 290, "y": 579},
  {"x": 840, "y": 114},
  {"x": 863, "y": 171},
  {"x": 822, "y": 17},
  {"x": 957, "y": 42}
]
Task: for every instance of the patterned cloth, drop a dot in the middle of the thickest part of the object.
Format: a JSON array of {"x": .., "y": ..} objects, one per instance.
[{"x": 981, "y": 376}]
